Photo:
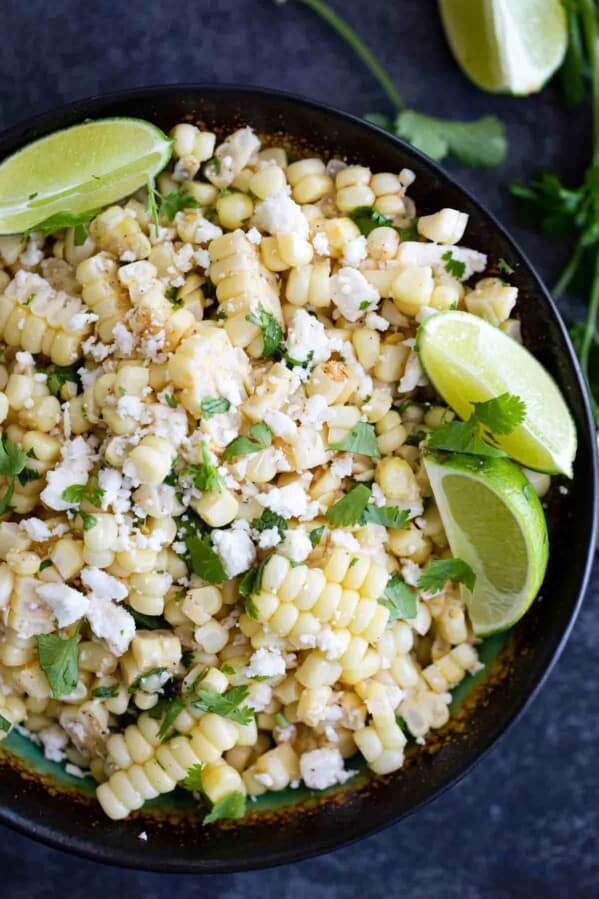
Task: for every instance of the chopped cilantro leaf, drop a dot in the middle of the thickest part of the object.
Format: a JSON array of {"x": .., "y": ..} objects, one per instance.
[
  {"x": 388, "y": 516},
  {"x": 214, "y": 405},
  {"x": 193, "y": 781},
  {"x": 504, "y": 267},
  {"x": 367, "y": 218},
  {"x": 454, "y": 267},
  {"x": 316, "y": 535},
  {"x": 269, "y": 520},
  {"x": 260, "y": 438},
  {"x": 205, "y": 476},
  {"x": 360, "y": 440},
  {"x": 226, "y": 705},
  {"x": 436, "y": 575},
  {"x": 105, "y": 692},
  {"x": 272, "y": 333},
  {"x": 177, "y": 200},
  {"x": 399, "y": 599},
  {"x": 59, "y": 660},
  {"x": 350, "y": 508},
  {"x": 231, "y": 806},
  {"x": 205, "y": 561}
]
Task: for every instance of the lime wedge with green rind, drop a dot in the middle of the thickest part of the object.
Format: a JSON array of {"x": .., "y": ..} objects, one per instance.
[
  {"x": 78, "y": 169},
  {"x": 506, "y": 46},
  {"x": 469, "y": 361},
  {"x": 494, "y": 521}
]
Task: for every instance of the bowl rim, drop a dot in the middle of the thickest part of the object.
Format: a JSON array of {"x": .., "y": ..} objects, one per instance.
[{"x": 86, "y": 847}]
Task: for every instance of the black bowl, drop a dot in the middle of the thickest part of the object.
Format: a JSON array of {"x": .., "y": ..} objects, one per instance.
[{"x": 37, "y": 805}]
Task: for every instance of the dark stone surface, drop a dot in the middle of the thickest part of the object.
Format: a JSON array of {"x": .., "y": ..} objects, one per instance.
[{"x": 525, "y": 822}]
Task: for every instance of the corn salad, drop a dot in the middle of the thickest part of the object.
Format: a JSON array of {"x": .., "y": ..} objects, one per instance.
[{"x": 212, "y": 422}]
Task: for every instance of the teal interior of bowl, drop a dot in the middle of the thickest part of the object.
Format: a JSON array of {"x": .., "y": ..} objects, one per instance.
[{"x": 33, "y": 759}]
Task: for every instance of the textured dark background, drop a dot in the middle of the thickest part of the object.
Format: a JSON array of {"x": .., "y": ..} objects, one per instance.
[{"x": 526, "y": 822}]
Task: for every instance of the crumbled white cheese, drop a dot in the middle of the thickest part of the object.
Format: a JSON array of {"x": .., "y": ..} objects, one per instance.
[
  {"x": 355, "y": 251},
  {"x": 279, "y": 214},
  {"x": 323, "y": 768},
  {"x": 346, "y": 540},
  {"x": 320, "y": 242},
  {"x": 316, "y": 411},
  {"x": 331, "y": 643},
  {"x": 342, "y": 466},
  {"x": 67, "y": 604},
  {"x": 259, "y": 696},
  {"x": 254, "y": 236},
  {"x": 377, "y": 322},
  {"x": 124, "y": 339},
  {"x": 36, "y": 529},
  {"x": 76, "y": 464},
  {"x": 54, "y": 741},
  {"x": 235, "y": 549},
  {"x": 80, "y": 320},
  {"x": 265, "y": 663},
  {"x": 103, "y": 585},
  {"x": 269, "y": 538},
  {"x": 112, "y": 623},
  {"x": 281, "y": 425},
  {"x": 32, "y": 255},
  {"x": 307, "y": 339},
  {"x": 24, "y": 363},
  {"x": 352, "y": 294},
  {"x": 290, "y": 501},
  {"x": 297, "y": 545},
  {"x": 130, "y": 407},
  {"x": 413, "y": 375},
  {"x": 416, "y": 253}
]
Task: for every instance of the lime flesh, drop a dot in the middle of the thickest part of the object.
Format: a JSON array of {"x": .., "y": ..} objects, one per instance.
[
  {"x": 506, "y": 46},
  {"x": 468, "y": 360},
  {"x": 494, "y": 521},
  {"x": 78, "y": 169}
]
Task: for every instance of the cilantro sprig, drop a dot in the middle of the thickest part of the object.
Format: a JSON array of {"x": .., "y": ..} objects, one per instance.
[
  {"x": 205, "y": 476},
  {"x": 90, "y": 493},
  {"x": 355, "y": 508},
  {"x": 60, "y": 220},
  {"x": 227, "y": 705},
  {"x": 260, "y": 438},
  {"x": 361, "y": 440},
  {"x": 500, "y": 415},
  {"x": 399, "y": 599},
  {"x": 13, "y": 461},
  {"x": 478, "y": 143},
  {"x": 272, "y": 333},
  {"x": 230, "y": 807},
  {"x": 435, "y": 576},
  {"x": 251, "y": 584},
  {"x": 59, "y": 660},
  {"x": 268, "y": 520}
]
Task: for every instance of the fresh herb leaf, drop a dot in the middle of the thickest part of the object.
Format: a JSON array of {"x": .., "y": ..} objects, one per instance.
[
  {"x": 360, "y": 440},
  {"x": 105, "y": 692},
  {"x": 315, "y": 535},
  {"x": 502, "y": 414},
  {"x": 504, "y": 267},
  {"x": 214, "y": 405},
  {"x": 453, "y": 267},
  {"x": 227, "y": 705},
  {"x": 151, "y": 206},
  {"x": 269, "y": 520},
  {"x": 59, "y": 660},
  {"x": 205, "y": 476},
  {"x": 478, "y": 143},
  {"x": 281, "y": 721},
  {"x": 6, "y": 500},
  {"x": 88, "y": 521},
  {"x": 205, "y": 562},
  {"x": 147, "y": 622},
  {"x": 388, "y": 516},
  {"x": 436, "y": 575},
  {"x": 170, "y": 400},
  {"x": 61, "y": 220},
  {"x": 5, "y": 724},
  {"x": 45, "y": 563},
  {"x": 251, "y": 584},
  {"x": 174, "y": 708},
  {"x": 12, "y": 458},
  {"x": 177, "y": 200},
  {"x": 367, "y": 218},
  {"x": 399, "y": 599},
  {"x": 27, "y": 475},
  {"x": 73, "y": 493},
  {"x": 58, "y": 376},
  {"x": 260, "y": 438},
  {"x": 272, "y": 333},
  {"x": 193, "y": 781},
  {"x": 231, "y": 806},
  {"x": 350, "y": 508}
]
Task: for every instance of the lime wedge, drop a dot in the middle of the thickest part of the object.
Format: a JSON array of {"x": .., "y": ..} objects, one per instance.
[
  {"x": 468, "y": 360},
  {"x": 494, "y": 521},
  {"x": 78, "y": 169},
  {"x": 506, "y": 46}
]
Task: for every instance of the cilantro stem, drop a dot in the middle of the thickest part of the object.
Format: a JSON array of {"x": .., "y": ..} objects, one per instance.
[
  {"x": 357, "y": 44},
  {"x": 591, "y": 34},
  {"x": 591, "y": 322},
  {"x": 569, "y": 270}
]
